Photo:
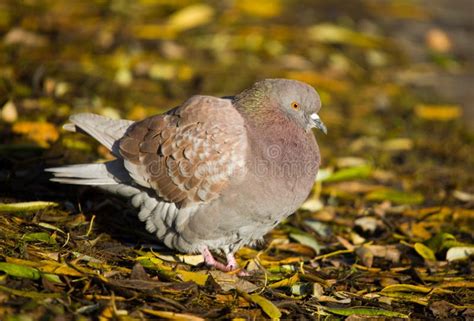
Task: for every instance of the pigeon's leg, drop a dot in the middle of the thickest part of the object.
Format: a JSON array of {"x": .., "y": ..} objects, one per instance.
[
  {"x": 231, "y": 262},
  {"x": 211, "y": 261},
  {"x": 233, "y": 266}
]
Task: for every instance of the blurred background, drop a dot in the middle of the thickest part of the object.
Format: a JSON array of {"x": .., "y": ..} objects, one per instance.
[
  {"x": 396, "y": 81},
  {"x": 395, "y": 77}
]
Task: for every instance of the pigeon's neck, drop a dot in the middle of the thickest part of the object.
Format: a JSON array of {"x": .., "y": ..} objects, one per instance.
[{"x": 254, "y": 107}]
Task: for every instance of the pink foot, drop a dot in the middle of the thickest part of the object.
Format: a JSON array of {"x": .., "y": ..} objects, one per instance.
[{"x": 231, "y": 262}]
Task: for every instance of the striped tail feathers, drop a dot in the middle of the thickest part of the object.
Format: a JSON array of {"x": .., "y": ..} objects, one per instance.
[
  {"x": 105, "y": 130},
  {"x": 110, "y": 173}
]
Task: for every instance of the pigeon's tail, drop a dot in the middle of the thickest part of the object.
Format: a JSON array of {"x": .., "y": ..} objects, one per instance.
[
  {"x": 105, "y": 130},
  {"x": 110, "y": 173}
]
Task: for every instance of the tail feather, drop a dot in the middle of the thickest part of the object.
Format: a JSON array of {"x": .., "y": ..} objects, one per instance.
[
  {"x": 110, "y": 173},
  {"x": 105, "y": 130}
]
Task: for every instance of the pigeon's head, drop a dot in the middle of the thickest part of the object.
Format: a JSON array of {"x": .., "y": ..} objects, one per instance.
[{"x": 295, "y": 99}]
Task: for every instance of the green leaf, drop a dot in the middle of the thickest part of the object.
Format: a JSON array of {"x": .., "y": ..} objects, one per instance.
[
  {"x": 366, "y": 312},
  {"x": 267, "y": 306},
  {"x": 395, "y": 196},
  {"x": 39, "y": 237},
  {"x": 351, "y": 173},
  {"x": 26, "y": 206},
  {"x": 20, "y": 271},
  {"x": 425, "y": 252},
  {"x": 52, "y": 278}
]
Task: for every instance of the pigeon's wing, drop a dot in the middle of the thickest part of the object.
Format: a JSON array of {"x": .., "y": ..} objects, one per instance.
[{"x": 189, "y": 155}]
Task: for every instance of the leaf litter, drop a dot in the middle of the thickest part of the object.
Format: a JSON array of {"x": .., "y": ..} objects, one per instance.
[{"x": 387, "y": 231}]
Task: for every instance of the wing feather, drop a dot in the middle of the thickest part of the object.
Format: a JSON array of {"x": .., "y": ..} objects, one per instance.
[{"x": 190, "y": 154}]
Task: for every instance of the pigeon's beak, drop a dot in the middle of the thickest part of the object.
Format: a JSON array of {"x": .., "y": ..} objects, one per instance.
[{"x": 316, "y": 122}]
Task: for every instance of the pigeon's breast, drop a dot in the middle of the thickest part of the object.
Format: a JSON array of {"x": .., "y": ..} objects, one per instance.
[{"x": 282, "y": 168}]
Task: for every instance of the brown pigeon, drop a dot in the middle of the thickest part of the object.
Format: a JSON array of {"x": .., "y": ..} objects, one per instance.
[{"x": 213, "y": 174}]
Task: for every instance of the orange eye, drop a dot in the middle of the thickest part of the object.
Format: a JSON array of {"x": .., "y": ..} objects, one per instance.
[{"x": 295, "y": 105}]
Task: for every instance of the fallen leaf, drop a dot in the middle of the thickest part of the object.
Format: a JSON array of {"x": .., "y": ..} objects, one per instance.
[
  {"x": 19, "y": 36},
  {"x": 285, "y": 282},
  {"x": 438, "y": 40},
  {"x": 322, "y": 229},
  {"x": 39, "y": 237},
  {"x": 9, "y": 113},
  {"x": 371, "y": 312},
  {"x": 395, "y": 196},
  {"x": 368, "y": 224},
  {"x": 412, "y": 288},
  {"x": 441, "y": 309},
  {"x": 199, "y": 278},
  {"x": 312, "y": 205},
  {"x": 463, "y": 196},
  {"x": 20, "y": 271},
  {"x": 191, "y": 17},
  {"x": 31, "y": 294},
  {"x": 331, "y": 33},
  {"x": 459, "y": 253},
  {"x": 232, "y": 282},
  {"x": 365, "y": 255},
  {"x": 438, "y": 112},
  {"x": 267, "y": 306},
  {"x": 425, "y": 252},
  {"x": 398, "y": 144},
  {"x": 172, "y": 315},
  {"x": 26, "y": 206},
  {"x": 306, "y": 239},
  {"x": 350, "y": 173},
  {"x": 261, "y": 8}
]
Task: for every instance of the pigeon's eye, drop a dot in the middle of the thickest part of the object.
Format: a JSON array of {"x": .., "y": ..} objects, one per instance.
[{"x": 295, "y": 105}]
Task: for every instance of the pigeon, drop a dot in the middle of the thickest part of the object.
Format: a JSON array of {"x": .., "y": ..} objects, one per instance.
[{"x": 213, "y": 174}]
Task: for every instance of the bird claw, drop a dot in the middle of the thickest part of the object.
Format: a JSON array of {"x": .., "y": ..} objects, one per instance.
[{"x": 231, "y": 266}]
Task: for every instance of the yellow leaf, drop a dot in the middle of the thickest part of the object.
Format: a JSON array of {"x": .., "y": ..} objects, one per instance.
[
  {"x": 403, "y": 296},
  {"x": 438, "y": 112},
  {"x": 406, "y": 288},
  {"x": 267, "y": 306},
  {"x": 172, "y": 315},
  {"x": 154, "y": 31},
  {"x": 26, "y": 206},
  {"x": 261, "y": 8},
  {"x": 458, "y": 284},
  {"x": 39, "y": 132},
  {"x": 397, "y": 144},
  {"x": 197, "y": 277},
  {"x": 425, "y": 252},
  {"x": 286, "y": 282},
  {"x": 191, "y": 17}
]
